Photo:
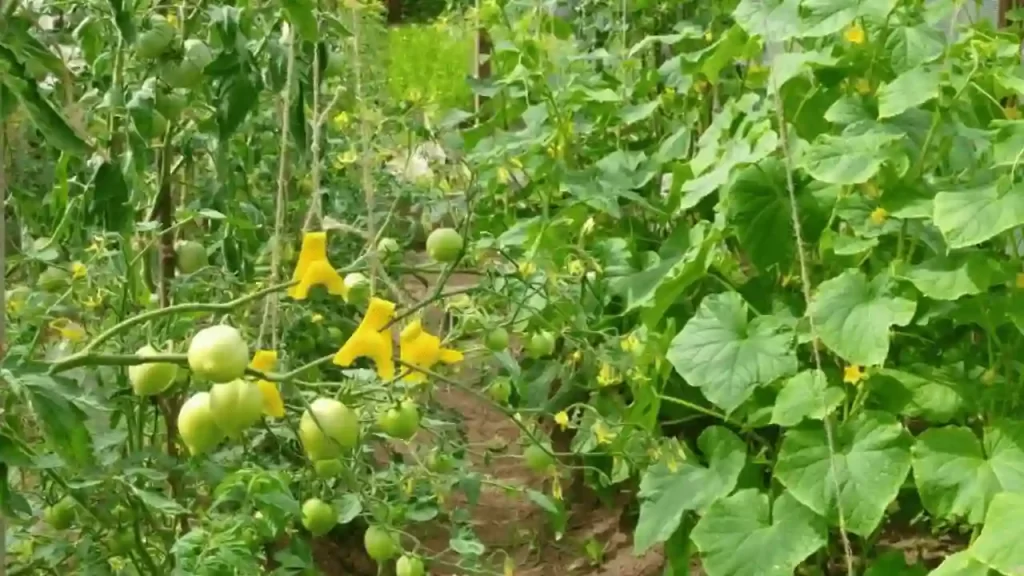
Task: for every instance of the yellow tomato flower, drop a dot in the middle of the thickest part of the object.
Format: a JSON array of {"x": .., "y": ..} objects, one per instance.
[
  {"x": 421, "y": 349},
  {"x": 341, "y": 120},
  {"x": 313, "y": 268},
  {"x": 562, "y": 419},
  {"x": 78, "y": 270},
  {"x": 575, "y": 268},
  {"x": 372, "y": 340},
  {"x": 265, "y": 361},
  {"x": 527, "y": 268},
  {"x": 346, "y": 158},
  {"x": 878, "y": 215},
  {"x": 588, "y": 226},
  {"x": 71, "y": 331},
  {"x": 556, "y": 487},
  {"x": 503, "y": 175},
  {"x": 607, "y": 376},
  {"x": 316, "y": 318},
  {"x": 576, "y": 357},
  {"x": 630, "y": 343},
  {"x": 853, "y": 374},
  {"x": 672, "y": 464},
  {"x": 654, "y": 453},
  {"x": 602, "y": 433},
  {"x": 854, "y": 34},
  {"x": 94, "y": 301}
]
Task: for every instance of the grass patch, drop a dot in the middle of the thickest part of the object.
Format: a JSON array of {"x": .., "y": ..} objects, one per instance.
[{"x": 432, "y": 62}]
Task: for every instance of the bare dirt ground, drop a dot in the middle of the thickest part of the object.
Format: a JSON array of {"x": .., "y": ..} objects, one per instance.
[{"x": 508, "y": 521}]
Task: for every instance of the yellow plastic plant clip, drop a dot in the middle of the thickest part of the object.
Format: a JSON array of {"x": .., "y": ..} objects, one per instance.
[
  {"x": 313, "y": 268},
  {"x": 266, "y": 361},
  {"x": 421, "y": 349},
  {"x": 372, "y": 340}
]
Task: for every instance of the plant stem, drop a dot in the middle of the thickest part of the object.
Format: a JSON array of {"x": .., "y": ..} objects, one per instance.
[
  {"x": 191, "y": 307},
  {"x": 3, "y": 305}
]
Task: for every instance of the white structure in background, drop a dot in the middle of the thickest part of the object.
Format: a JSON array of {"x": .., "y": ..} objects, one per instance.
[{"x": 416, "y": 166}]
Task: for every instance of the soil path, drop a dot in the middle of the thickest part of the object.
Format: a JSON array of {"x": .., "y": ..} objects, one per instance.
[{"x": 506, "y": 520}]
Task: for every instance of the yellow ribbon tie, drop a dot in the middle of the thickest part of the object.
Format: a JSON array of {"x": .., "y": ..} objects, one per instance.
[
  {"x": 313, "y": 268},
  {"x": 265, "y": 361},
  {"x": 371, "y": 340},
  {"x": 421, "y": 349}
]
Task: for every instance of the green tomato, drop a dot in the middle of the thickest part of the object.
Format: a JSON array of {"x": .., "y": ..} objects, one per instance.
[
  {"x": 438, "y": 462},
  {"x": 387, "y": 247},
  {"x": 185, "y": 74},
  {"x": 197, "y": 424},
  {"x": 358, "y": 289},
  {"x": 190, "y": 256},
  {"x": 409, "y": 566},
  {"x": 496, "y": 340},
  {"x": 541, "y": 344},
  {"x": 444, "y": 244},
  {"x": 218, "y": 353},
  {"x": 122, "y": 543},
  {"x": 236, "y": 405},
  {"x": 54, "y": 279},
  {"x": 150, "y": 124},
  {"x": 334, "y": 429},
  {"x": 380, "y": 544},
  {"x": 318, "y": 516},
  {"x": 538, "y": 459},
  {"x": 197, "y": 52},
  {"x": 155, "y": 41},
  {"x": 329, "y": 468},
  {"x": 62, "y": 514},
  {"x": 171, "y": 104},
  {"x": 151, "y": 379},
  {"x": 401, "y": 422},
  {"x": 500, "y": 390}
]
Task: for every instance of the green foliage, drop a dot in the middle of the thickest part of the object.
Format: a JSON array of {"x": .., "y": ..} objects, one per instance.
[{"x": 430, "y": 62}]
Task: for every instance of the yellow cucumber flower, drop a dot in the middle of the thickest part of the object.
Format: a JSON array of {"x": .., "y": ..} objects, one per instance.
[
  {"x": 266, "y": 361},
  {"x": 313, "y": 268},
  {"x": 853, "y": 374},
  {"x": 562, "y": 419},
  {"x": 371, "y": 340},
  {"x": 421, "y": 349}
]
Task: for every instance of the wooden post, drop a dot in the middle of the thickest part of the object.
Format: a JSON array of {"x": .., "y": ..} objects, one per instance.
[
  {"x": 3, "y": 303},
  {"x": 394, "y": 12},
  {"x": 481, "y": 60}
]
